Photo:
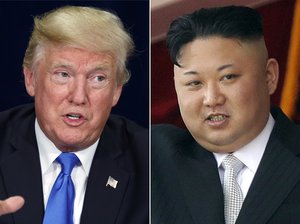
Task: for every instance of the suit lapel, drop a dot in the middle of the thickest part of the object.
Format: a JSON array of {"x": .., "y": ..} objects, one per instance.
[
  {"x": 275, "y": 178},
  {"x": 277, "y": 174},
  {"x": 21, "y": 173},
  {"x": 102, "y": 203},
  {"x": 200, "y": 182}
]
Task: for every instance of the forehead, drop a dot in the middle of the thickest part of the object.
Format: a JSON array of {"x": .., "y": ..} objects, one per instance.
[
  {"x": 215, "y": 51},
  {"x": 76, "y": 58},
  {"x": 209, "y": 47}
]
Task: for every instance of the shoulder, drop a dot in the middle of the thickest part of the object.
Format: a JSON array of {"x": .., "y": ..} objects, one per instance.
[
  {"x": 170, "y": 136},
  {"x": 126, "y": 129},
  {"x": 283, "y": 125},
  {"x": 169, "y": 142},
  {"x": 285, "y": 131},
  {"x": 125, "y": 135},
  {"x": 121, "y": 121},
  {"x": 16, "y": 124},
  {"x": 16, "y": 113},
  {"x": 16, "y": 118},
  {"x": 168, "y": 130}
]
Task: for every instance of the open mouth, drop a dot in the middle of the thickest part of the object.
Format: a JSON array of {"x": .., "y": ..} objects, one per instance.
[
  {"x": 74, "y": 116},
  {"x": 218, "y": 117}
]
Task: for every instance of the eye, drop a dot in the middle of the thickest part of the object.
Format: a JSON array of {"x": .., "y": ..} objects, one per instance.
[
  {"x": 98, "y": 81},
  {"x": 100, "y": 78},
  {"x": 194, "y": 83},
  {"x": 60, "y": 77},
  {"x": 229, "y": 77},
  {"x": 63, "y": 74}
]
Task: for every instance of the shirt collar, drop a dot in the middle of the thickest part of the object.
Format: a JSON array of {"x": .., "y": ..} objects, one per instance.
[
  {"x": 251, "y": 154},
  {"x": 48, "y": 152}
]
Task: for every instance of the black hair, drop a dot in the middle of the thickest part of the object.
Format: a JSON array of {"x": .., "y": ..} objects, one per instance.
[{"x": 238, "y": 22}]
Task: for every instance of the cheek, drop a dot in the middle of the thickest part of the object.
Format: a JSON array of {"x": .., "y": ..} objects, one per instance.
[
  {"x": 243, "y": 91},
  {"x": 50, "y": 96},
  {"x": 189, "y": 103},
  {"x": 46, "y": 88},
  {"x": 247, "y": 99},
  {"x": 240, "y": 95},
  {"x": 116, "y": 95},
  {"x": 101, "y": 100}
]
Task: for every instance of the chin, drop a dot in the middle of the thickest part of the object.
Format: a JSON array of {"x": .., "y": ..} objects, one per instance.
[
  {"x": 67, "y": 146},
  {"x": 70, "y": 140}
]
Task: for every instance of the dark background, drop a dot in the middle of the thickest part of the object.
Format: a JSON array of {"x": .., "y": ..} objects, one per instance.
[{"x": 16, "y": 22}]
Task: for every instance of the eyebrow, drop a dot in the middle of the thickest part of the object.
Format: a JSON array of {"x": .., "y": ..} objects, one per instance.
[
  {"x": 224, "y": 67},
  {"x": 191, "y": 73},
  {"x": 60, "y": 65},
  {"x": 219, "y": 69},
  {"x": 103, "y": 67}
]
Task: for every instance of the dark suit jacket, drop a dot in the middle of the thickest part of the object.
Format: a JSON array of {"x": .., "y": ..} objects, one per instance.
[
  {"x": 186, "y": 187},
  {"x": 122, "y": 153}
]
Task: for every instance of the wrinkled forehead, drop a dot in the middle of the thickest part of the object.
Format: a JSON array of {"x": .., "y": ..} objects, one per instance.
[{"x": 65, "y": 56}]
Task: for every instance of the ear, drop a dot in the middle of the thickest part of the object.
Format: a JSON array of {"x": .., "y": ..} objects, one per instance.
[
  {"x": 272, "y": 75},
  {"x": 117, "y": 94},
  {"x": 29, "y": 81}
]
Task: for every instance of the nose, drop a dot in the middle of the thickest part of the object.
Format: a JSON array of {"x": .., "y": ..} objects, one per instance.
[
  {"x": 78, "y": 92},
  {"x": 213, "y": 96}
]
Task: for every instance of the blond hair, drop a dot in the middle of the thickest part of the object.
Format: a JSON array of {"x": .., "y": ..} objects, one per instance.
[{"x": 84, "y": 27}]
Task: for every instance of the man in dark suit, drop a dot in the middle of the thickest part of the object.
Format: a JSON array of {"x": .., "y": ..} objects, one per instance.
[
  {"x": 75, "y": 68},
  {"x": 223, "y": 80}
]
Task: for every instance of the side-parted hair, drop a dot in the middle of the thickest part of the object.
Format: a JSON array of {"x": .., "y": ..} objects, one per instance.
[
  {"x": 239, "y": 22},
  {"x": 83, "y": 27}
]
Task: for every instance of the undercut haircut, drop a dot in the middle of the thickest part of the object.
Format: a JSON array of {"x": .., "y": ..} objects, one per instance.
[{"x": 239, "y": 22}]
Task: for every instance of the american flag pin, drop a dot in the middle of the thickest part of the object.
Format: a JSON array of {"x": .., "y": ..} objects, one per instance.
[{"x": 111, "y": 182}]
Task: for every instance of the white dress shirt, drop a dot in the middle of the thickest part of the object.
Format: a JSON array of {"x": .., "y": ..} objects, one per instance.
[
  {"x": 51, "y": 169},
  {"x": 250, "y": 155}
]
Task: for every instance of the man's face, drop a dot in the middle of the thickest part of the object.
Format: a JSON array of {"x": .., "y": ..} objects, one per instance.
[
  {"x": 223, "y": 88},
  {"x": 74, "y": 92}
]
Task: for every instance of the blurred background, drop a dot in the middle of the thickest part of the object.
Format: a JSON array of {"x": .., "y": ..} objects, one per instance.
[{"x": 281, "y": 21}]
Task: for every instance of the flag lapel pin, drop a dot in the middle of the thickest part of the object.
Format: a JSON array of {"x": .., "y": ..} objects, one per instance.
[{"x": 111, "y": 182}]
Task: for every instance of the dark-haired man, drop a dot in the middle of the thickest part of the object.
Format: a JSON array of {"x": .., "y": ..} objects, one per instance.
[{"x": 238, "y": 161}]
